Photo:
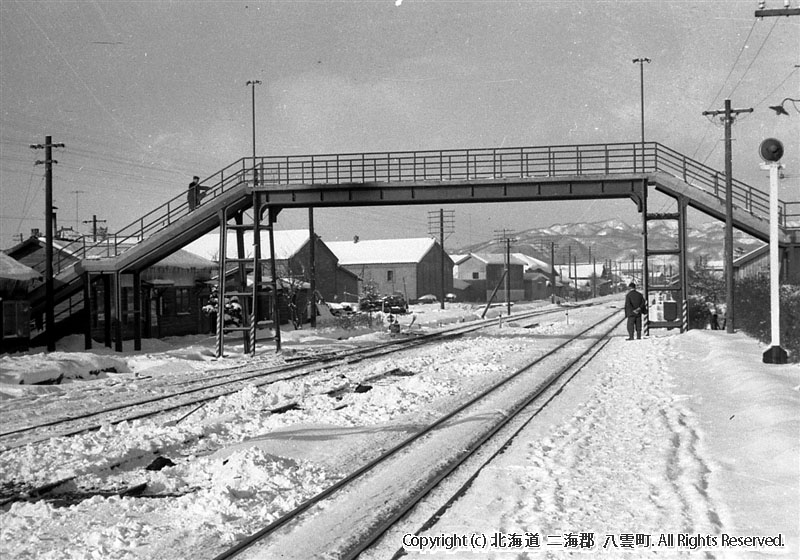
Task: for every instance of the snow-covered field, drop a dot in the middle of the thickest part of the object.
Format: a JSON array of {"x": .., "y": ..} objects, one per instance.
[{"x": 672, "y": 435}]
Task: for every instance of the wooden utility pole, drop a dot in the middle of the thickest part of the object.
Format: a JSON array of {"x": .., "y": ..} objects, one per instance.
[
  {"x": 441, "y": 222},
  {"x": 728, "y": 115},
  {"x": 776, "y": 12},
  {"x": 48, "y": 216},
  {"x": 93, "y": 221}
]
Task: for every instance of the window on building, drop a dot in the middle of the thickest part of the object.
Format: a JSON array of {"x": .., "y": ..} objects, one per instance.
[
  {"x": 476, "y": 275},
  {"x": 390, "y": 275},
  {"x": 182, "y": 300}
]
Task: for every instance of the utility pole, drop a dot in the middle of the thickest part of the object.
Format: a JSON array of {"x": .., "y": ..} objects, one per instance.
[
  {"x": 776, "y": 12},
  {"x": 504, "y": 237},
  {"x": 443, "y": 221},
  {"x": 48, "y": 216},
  {"x": 728, "y": 115},
  {"x": 94, "y": 221}
]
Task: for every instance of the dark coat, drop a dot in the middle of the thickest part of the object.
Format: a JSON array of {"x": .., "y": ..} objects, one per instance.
[{"x": 634, "y": 304}]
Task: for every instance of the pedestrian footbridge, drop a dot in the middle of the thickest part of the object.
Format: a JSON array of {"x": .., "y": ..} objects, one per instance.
[{"x": 269, "y": 184}]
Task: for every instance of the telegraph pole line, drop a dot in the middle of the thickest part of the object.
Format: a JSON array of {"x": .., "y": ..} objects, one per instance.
[
  {"x": 48, "y": 216},
  {"x": 728, "y": 115}
]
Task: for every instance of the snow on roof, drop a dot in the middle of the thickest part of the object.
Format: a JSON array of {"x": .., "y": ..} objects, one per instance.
[
  {"x": 532, "y": 263},
  {"x": 496, "y": 258},
  {"x": 381, "y": 251},
  {"x": 458, "y": 259},
  {"x": 14, "y": 270},
  {"x": 185, "y": 259},
  {"x": 287, "y": 244}
]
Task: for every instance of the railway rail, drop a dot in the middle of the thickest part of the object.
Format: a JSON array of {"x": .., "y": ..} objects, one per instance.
[
  {"x": 430, "y": 455},
  {"x": 193, "y": 394}
]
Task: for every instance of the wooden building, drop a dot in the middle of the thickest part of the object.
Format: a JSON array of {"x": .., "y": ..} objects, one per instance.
[{"x": 412, "y": 267}]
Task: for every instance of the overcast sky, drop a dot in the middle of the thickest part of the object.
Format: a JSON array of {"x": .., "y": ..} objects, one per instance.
[{"x": 146, "y": 94}]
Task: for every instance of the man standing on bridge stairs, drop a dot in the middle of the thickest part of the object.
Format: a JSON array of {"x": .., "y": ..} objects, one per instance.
[
  {"x": 196, "y": 192},
  {"x": 635, "y": 307}
]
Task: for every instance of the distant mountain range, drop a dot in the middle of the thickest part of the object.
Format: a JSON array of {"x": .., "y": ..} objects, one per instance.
[{"x": 618, "y": 241}]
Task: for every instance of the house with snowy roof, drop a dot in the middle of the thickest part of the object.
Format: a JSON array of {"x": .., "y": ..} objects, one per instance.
[
  {"x": 292, "y": 259},
  {"x": 412, "y": 267},
  {"x": 483, "y": 272},
  {"x": 537, "y": 276}
]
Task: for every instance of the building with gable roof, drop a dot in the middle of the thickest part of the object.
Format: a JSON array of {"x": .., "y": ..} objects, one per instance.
[
  {"x": 15, "y": 311},
  {"x": 484, "y": 272},
  {"x": 292, "y": 260},
  {"x": 412, "y": 267},
  {"x": 174, "y": 291}
]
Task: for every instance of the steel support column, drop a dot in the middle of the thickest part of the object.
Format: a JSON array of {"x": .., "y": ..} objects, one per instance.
[
  {"x": 276, "y": 318},
  {"x": 87, "y": 311},
  {"x": 645, "y": 268},
  {"x": 137, "y": 310},
  {"x": 684, "y": 271},
  {"x": 118, "y": 311},
  {"x": 107, "y": 309},
  {"x": 257, "y": 276},
  {"x": 223, "y": 234},
  {"x": 240, "y": 254}
]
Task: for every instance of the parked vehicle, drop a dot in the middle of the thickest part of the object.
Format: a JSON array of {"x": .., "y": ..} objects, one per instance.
[{"x": 394, "y": 303}]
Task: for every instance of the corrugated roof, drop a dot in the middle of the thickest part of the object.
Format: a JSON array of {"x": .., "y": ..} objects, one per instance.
[
  {"x": 381, "y": 251},
  {"x": 287, "y": 244}
]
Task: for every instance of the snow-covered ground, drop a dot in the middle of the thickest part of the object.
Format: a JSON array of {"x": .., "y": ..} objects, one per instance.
[{"x": 672, "y": 435}]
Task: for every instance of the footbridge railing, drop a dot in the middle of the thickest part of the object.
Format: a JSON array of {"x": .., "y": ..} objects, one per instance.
[{"x": 484, "y": 164}]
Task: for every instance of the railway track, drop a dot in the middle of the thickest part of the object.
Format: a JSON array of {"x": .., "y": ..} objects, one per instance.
[
  {"x": 399, "y": 478},
  {"x": 193, "y": 394}
]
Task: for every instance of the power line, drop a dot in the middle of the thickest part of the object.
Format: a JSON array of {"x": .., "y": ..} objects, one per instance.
[
  {"x": 789, "y": 75},
  {"x": 733, "y": 66},
  {"x": 764, "y": 42}
]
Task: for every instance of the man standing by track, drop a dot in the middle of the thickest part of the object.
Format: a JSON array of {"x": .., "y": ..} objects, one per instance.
[{"x": 635, "y": 306}]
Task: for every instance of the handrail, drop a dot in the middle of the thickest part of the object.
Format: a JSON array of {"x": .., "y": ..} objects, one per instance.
[{"x": 440, "y": 165}]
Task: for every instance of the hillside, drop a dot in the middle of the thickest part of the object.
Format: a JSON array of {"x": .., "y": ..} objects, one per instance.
[{"x": 616, "y": 240}]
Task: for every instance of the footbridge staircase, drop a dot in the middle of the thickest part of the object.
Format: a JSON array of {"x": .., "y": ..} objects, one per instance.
[{"x": 266, "y": 185}]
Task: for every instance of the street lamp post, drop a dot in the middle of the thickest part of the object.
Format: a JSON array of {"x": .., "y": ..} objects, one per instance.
[
  {"x": 640, "y": 62},
  {"x": 252, "y": 84},
  {"x": 780, "y": 110}
]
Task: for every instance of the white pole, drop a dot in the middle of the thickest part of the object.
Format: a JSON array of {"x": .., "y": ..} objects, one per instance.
[
  {"x": 775, "y": 354},
  {"x": 774, "y": 260}
]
